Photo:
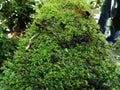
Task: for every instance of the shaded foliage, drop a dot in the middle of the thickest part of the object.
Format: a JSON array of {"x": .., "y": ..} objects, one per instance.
[
  {"x": 15, "y": 16},
  {"x": 18, "y": 13}
]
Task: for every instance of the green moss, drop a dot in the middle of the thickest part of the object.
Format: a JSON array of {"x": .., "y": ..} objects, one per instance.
[{"x": 61, "y": 51}]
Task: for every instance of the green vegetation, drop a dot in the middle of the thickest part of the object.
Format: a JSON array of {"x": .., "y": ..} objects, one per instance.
[
  {"x": 17, "y": 13},
  {"x": 61, "y": 50},
  {"x": 7, "y": 46},
  {"x": 15, "y": 16}
]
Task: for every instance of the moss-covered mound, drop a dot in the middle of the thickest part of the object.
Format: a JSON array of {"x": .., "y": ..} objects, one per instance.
[{"x": 61, "y": 51}]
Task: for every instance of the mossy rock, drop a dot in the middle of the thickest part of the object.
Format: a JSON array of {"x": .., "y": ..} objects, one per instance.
[{"x": 61, "y": 51}]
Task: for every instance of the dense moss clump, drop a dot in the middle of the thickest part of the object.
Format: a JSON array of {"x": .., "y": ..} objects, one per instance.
[{"x": 61, "y": 51}]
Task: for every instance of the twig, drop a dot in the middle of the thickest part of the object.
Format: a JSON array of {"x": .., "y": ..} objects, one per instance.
[
  {"x": 83, "y": 12},
  {"x": 30, "y": 41}
]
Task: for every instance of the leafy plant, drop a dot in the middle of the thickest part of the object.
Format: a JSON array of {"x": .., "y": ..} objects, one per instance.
[
  {"x": 7, "y": 46},
  {"x": 18, "y": 13},
  {"x": 14, "y": 17}
]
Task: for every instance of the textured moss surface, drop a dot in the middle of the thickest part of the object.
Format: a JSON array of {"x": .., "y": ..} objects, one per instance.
[{"x": 61, "y": 51}]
